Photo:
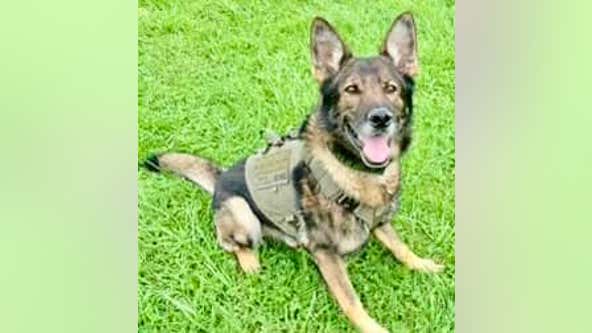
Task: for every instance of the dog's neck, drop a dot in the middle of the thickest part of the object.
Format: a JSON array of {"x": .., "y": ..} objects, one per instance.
[{"x": 372, "y": 189}]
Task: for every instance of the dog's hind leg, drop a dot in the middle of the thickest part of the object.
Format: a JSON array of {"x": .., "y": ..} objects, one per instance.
[
  {"x": 387, "y": 235},
  {"x": 239, "y": 231}
]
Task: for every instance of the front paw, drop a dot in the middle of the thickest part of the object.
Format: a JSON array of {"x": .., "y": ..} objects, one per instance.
[{"x": 426, "y": 265}]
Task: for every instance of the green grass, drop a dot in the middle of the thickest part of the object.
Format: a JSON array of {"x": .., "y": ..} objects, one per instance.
[{"x": 212, "y": 75}]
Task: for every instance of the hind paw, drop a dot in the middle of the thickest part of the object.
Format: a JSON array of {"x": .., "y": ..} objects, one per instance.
[{"x": 248, "y": 260}]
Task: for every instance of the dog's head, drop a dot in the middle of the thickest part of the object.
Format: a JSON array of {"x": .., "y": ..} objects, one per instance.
[{"x": 366, "y": 102}]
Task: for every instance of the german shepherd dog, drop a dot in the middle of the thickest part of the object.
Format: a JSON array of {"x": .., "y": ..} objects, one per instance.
[{"x": 357, "y": 134}]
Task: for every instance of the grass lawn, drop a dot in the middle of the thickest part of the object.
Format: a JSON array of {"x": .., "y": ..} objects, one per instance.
[{"x": 212, "y": 75}]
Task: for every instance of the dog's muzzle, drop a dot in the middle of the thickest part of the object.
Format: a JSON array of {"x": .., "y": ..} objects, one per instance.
[{"x": 380, "y": 118}]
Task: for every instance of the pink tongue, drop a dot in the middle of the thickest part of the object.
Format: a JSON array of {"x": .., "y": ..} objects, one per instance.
[{"x": 376, "y": 149}]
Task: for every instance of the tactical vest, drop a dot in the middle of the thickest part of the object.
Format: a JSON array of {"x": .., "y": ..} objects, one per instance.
[{"x": 269, "y": 180}]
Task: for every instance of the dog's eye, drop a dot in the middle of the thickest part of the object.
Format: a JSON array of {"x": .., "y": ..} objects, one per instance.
[
  {"x": 390, "y": 88},
  {"x": 352, "y": 89}
]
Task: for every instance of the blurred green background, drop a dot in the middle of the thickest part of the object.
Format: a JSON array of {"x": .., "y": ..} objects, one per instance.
[
  {"x": 68, "y": 199},
  {"x": 212, "y": 76},
  {"x": 524, "y": 166}
]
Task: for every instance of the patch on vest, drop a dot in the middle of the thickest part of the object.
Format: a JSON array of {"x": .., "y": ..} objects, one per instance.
[
  {"x": 269, "y": 180},
  {"x": 272, "y": 169}
]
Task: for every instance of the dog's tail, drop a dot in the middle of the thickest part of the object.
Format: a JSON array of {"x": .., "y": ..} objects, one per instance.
[{"x": 198, "y": 170}]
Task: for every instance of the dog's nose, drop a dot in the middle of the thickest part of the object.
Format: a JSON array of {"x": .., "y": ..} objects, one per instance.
[{"x": 380, "y": 117}]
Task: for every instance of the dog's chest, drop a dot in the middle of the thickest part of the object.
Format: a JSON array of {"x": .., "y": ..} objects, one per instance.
[
  {"x": 344, "y": 233},
  {"x": 343, "y": 228}
]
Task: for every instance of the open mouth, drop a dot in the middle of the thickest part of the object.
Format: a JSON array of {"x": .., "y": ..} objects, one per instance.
[{"x": 375, "y": 150}]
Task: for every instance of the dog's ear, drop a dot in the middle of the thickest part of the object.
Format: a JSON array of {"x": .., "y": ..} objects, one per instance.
[
  {"x": 401, "y": 45},
  {"x": 327, "y": 49}
]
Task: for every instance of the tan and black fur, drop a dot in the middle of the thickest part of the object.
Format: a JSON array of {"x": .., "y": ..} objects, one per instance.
[{"x": 354, "y": 94}]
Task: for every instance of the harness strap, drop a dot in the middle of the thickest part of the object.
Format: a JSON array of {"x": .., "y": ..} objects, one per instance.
[
  {"x": 330, "y": 190},
  {"x": 325, "y": 183}
]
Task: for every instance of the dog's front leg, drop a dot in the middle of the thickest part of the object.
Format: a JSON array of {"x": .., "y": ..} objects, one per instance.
[
  {"x": 387, "y": 235},
  {"x": 332, "y": 268}
]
